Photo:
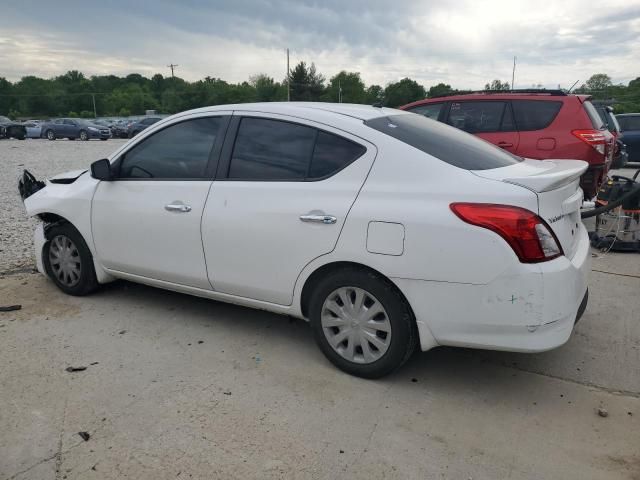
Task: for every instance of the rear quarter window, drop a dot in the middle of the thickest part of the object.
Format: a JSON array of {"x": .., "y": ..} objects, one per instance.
[
  {"x": 534, "y": 114},
  {"x": 444, "y": 142}
]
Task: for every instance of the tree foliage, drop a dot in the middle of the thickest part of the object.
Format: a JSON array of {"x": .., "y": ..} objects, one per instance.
[
  {"x": 74, "y": 92},
  {"x": 497, "y": 85}
]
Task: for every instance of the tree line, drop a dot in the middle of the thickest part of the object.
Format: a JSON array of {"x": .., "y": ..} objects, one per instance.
[{"x": 74, "y": 94}]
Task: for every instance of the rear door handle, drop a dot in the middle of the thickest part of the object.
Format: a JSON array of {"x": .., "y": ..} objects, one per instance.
[
  {"x": 505, "y": 144},
  {"x": 327, "y": 219},
  {"x": 177, "y": 207}
]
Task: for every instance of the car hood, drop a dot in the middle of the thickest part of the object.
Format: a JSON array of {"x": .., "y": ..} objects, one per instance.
[{"x": 67, "y": 177}]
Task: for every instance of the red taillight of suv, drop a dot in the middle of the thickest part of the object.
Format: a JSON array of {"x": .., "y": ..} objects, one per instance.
[
  {"x": 595, "y": 138},
  {"x": 528, "y": 235}
]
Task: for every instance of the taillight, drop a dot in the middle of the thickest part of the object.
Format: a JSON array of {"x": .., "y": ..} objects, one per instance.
[
  {"x": 595, "y": 138},
  {"x": 528, "y": 235}
]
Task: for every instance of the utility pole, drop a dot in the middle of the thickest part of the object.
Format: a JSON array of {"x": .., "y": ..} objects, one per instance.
[
  {"x": 339, "y": 92},
  {"x": 288, "y": 80},
  {"x": 513, "y": 73},
  {"x": 172, "y": 66},
  {"x": 93, "y": 97}
]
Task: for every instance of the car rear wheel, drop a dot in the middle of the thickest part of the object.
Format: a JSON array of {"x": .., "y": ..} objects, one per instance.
[
  {"x": 83, "y": 136},
  {"x": 50, "y": 135},
  {"x": 362, "y": 323},
  {"x": 68, "y": 261}
]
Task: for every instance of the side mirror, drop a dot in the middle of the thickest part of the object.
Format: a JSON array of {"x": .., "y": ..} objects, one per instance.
[{"x": 101, "y": 170}]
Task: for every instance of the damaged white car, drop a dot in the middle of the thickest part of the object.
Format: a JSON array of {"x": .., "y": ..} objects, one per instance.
[{"x": 384, "y": 229}]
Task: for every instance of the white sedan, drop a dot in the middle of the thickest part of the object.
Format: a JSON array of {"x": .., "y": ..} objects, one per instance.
[{"x": 384, "y": 229}]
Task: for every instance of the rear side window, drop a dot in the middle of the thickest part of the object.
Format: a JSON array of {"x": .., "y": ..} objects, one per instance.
[
  {"x": 596, "y": 121},
  {"x": 272, "y": 150},
  {"x": 534, "y": 114},
  {"x": 431, "y": 110},
  {"x": 331, "y": 154},
  {"x": 448, "y": 144},
  {"x": 476, "y": 117}
]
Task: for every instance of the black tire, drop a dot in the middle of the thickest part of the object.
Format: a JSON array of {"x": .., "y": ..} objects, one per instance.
[
  {"x": 404, "y": 335},
  {"x": 84, "y": 136},
  {"x": 71, "y": 138},
  {"x": 50, "y": 135},
  {"x": 86, "y": 281},
  {"x": 103, "y": 139},
  {"x": 21, "y": 138}
]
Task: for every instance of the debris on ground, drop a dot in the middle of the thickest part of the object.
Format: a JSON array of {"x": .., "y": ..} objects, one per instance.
[
  {"x": 603, "y": 412},
  {"x": 76, "y": 369},
  {"x": 94, "y": 363},
  {"x": 10, "y": 308},
  {"x": 227, "y": 393},
  {"x": 200, "y": 342},
  {"x": 122, "y": 332},
  {"x": 85, "y": 436}
]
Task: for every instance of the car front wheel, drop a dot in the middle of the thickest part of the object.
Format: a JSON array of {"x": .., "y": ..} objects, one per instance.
[
  {"x": 83, "y": 136},
  {"x": 362, "y": 323},
  {"x": 68, "y": 261},
  {"x": 50, "y": 135}
]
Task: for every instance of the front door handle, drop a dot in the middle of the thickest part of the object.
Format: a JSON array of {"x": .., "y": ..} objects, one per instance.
[
  {"x": 326, "y": 219},
  {"x": 177, "y": 207},
  {"x": 505, "y": 144}
]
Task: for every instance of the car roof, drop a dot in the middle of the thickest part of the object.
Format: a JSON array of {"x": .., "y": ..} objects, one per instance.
[
  {"x": 497, "y": 96},
  {"x": 307, "y": 109},
  {"x": 628, "y": 115}
]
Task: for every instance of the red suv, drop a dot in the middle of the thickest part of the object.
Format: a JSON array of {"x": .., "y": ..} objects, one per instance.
[{"x": 535, "y": 124}]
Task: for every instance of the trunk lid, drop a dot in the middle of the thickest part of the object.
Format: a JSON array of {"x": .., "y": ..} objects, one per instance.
[{"x": 557, "y": 186}]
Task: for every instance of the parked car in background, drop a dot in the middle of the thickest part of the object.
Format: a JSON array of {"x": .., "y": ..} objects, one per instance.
[
  {"x": 11, "y": 129},
  {"x": 536, "y": 124},
  {"x": 73, "y": 128},
  {"x": 630, "y": 126},
  {"x": 620, "y": 154},
  {"x": 34, "y": 128},
  {"x": 386, "y": 230},
  {"x": 135, "y": 128},
  {"x": 119, "y": 129}
]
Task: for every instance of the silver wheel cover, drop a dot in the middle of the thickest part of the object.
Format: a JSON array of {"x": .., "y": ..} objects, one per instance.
[
  {"x": 64, "y": 260},
  {"x": 356, "y": 325}
]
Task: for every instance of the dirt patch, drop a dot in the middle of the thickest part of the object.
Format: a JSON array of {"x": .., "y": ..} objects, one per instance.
[{"x": 38, "y": 296}]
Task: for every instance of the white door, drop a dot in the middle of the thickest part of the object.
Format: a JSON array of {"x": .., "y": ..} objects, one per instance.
[
  {"x": 288, "y": 190},
  {"x": 147, "y": 220}
]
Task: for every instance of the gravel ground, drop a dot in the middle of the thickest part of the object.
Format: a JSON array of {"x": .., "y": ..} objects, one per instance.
[{"x": 43, "y": 159}]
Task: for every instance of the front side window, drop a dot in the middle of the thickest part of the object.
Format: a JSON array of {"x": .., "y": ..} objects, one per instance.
[
  {"x": 69, "y": 122},
  {"x": 476, "y": 117},
  {"x": 430, "y": 110},
  {"x": 180, "y": 151},
  {"x": 535, "y": 114}
]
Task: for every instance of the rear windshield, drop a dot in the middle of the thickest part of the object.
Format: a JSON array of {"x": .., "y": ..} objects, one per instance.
[
  {"x": 596, "y": 121},
  {"x": 444, "y": 142}
]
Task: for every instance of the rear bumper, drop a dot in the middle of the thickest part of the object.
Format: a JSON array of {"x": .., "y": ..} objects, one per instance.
[{"x": 529, "y": 308}]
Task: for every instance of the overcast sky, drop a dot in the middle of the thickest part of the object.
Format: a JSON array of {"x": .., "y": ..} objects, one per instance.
[{"x": 463, "y": 43}]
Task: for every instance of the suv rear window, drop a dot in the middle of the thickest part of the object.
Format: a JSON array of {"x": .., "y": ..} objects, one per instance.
[
  {"x": 534, "y": 114},
  {"x": 596, "y": 121},
  {"x": 629, "y": 123},
  {"x": 446, "y": 143}
]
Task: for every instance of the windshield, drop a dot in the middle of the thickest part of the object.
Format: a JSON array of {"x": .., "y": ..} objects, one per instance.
[
  {"x": 596, "y": 121},
  {"x": 444, "y": 142}
]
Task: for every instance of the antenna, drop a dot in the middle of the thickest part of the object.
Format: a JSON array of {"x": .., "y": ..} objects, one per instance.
[{"x": 569, "y": 91}]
